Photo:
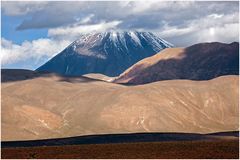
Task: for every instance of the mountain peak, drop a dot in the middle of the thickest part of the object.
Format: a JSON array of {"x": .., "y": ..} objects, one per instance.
[{"x": 108, "y": 53}]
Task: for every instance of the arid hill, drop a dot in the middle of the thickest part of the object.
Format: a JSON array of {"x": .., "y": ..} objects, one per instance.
[
  {"x": 202, "y": 61},
  {"x": 99, "y": 77},
  {"x": 53, "y": 107}
]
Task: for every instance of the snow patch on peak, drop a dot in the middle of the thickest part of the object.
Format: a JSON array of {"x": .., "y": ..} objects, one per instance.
[
  {"x": 114, "y": 37},
  {"x": 74, "y": 47},
  {"x": 135, "y": 38},
  {"x": 109, "y": 53},
  {"x": 121, "y": 42},
  {"x": 114, "y": 34}
]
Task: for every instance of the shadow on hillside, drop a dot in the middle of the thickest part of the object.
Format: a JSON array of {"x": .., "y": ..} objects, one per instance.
[
  {"x": 203, "y": 61},
  {"x": 199, "y": 62},
  {"x": 120, "y": 138},
  {"x": 12, "y": 75}
]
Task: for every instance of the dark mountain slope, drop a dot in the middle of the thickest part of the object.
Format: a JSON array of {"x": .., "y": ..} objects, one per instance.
[
  {"x": 198, "y": 62},
  {"x": 108, "y": 53}
]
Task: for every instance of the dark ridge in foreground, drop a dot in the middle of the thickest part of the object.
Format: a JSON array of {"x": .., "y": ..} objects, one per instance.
[
  {"x": 12, "y": 75},
  {"x": 119, "y": 138}
]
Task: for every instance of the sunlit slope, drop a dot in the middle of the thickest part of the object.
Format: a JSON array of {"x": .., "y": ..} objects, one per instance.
[
  {"x": 203, "y": 61},
  {"x": 51, "y": 106}
]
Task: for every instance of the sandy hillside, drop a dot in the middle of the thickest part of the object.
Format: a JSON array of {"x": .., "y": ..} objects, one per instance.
[
  {"x": 98, "y": 76},
  {"x": 201, "y": 61},
  {"x": 52, "y": 106}
]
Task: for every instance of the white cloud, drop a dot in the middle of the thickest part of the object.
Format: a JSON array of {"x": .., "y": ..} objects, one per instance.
[
  {"x": 34, "y": 50},
  {"x": 153, "y": 5},
  {"x": 226, "y": 33},
  {"x": 72, "y": 32},
  {"x": 172, "y": 31},
  {"x": 131, "y": 13},
  {"x": 17, "y": 8},
  {"x": 215, "y": 16},
  {"x": 85, "y": 20},
  {"x": 213, "y": 27},
  {"x": 143, "y": 6}
]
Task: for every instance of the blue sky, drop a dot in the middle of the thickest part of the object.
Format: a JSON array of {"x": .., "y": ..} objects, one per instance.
[
  {"x": 18, "y": 36},
  {"x": 33, "y": 32}
]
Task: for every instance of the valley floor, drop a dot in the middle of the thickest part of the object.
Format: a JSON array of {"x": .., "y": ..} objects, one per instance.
[
  {"x": 220, "y": 145},
  {"x": 217, "y": 149}
]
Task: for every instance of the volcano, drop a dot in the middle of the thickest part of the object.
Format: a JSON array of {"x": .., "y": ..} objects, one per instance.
[{"x": 109, "y": 53}]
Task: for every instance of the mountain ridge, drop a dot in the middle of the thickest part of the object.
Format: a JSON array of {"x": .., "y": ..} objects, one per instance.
[{"x": 201, "y": 61}]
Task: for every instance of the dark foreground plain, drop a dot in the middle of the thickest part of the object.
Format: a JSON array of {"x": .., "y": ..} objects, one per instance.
[
  {"x": 136, "y": 145},
  {"x": 217, "y": 149}
]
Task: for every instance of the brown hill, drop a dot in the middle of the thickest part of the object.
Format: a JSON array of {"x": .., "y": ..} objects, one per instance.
[
  {"x": 97, "y": 76},
  {"x": 52, "y": 106},
  {"x": 202, "y": 61}
]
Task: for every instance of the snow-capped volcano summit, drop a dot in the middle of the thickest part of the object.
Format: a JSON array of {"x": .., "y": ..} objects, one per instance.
[{"x": 108, "y": 53}]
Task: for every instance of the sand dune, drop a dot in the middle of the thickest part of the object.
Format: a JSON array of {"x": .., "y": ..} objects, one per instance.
[{"x": 51, "y": 107}]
